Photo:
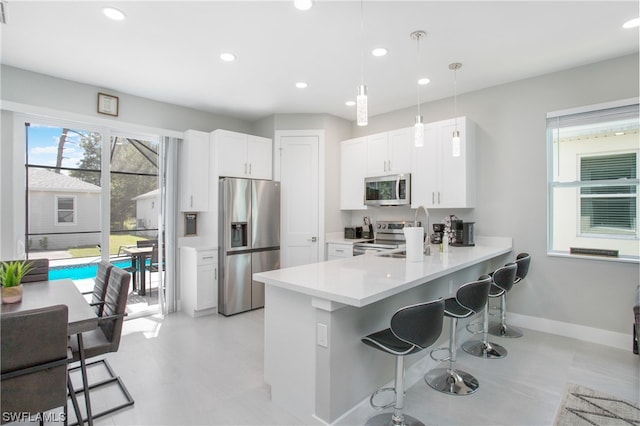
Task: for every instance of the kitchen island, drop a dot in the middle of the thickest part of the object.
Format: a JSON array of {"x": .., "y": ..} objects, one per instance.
[{"x": 316, "y": 314}]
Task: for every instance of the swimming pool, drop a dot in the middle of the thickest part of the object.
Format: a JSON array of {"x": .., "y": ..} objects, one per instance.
[{"x": 82, "y": 271}]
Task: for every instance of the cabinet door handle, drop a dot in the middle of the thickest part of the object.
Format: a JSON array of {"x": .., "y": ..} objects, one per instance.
[
  {"x": 340, "y": 250},
  {"x": 207, "y": 257},
  {"x": 433, "y": 197},
  {"x": 191, "y": 201},
  {"x": 245, "y": 168},
  {"x": 438, "y": 197},
  {"x": 249, "y": 168},
  {"x": 389, "y": 165},
  {"x": 215, "y": 274}
]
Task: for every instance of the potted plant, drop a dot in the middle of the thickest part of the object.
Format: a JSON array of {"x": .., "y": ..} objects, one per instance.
[{"x": 11, "y": 274}]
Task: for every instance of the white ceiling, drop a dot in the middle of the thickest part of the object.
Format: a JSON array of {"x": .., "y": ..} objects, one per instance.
[{"x": 168, "y": 50}]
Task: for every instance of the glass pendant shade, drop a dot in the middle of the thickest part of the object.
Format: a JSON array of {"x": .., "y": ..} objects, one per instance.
[
  {"x": 455, "y": 144},
  {"x": 362, "y": 116},
  {"x": 418, "y": 132}
]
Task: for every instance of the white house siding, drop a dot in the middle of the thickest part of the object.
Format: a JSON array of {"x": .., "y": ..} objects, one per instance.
[
  {"x": 42, "y": 219},
  {"x": 147, "y": 213},
  {"x": 44, "y": 187}
]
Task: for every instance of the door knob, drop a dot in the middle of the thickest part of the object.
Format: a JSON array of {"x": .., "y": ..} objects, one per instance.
[{"x": 314, "y": 239}]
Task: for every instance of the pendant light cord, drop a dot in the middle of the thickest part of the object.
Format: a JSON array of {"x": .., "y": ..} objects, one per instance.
[
  {"x": 418, "y": 68},
  {"x": 362, "y": 42}
]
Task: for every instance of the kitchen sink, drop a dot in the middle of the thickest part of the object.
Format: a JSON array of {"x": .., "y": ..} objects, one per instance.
[{"x": 395, "y": 254}]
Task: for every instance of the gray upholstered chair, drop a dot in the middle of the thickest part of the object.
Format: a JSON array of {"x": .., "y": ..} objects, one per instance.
[
  {"x": 39, "y": 270},
  {"x": 34, "y": 345},
  {"x": 100, "y": 286},
  {"x": 105, "y": 339}
]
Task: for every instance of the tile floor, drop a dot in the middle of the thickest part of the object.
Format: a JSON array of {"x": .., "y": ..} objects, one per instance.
[{"x": 209, "y": 370}]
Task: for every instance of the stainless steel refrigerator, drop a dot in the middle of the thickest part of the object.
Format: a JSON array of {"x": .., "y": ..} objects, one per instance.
[{"x": 249, "y": 241}]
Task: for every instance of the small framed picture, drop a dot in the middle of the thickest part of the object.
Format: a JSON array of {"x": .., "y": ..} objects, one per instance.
[{"x": 108, "y": 104}]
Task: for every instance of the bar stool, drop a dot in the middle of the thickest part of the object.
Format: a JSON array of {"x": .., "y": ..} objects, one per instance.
[
  {"x": 469, "y": 299},
  {"x": 413, "y": 328},
  {"x": 523, "y": 260},
  {"x": 503, "y": 279}
]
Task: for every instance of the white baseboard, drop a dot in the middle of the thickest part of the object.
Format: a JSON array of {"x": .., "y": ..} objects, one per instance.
[{"x": 575, "y": 331}]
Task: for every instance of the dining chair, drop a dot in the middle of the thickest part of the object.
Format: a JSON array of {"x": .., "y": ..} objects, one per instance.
[
  {"x": 100, "y": 286},
  {"x": 154, "y": 264},
  {"x": 34, "y": 345},
  {"x": 105, "y": 339},
  {"x": 39, "y": 270}
]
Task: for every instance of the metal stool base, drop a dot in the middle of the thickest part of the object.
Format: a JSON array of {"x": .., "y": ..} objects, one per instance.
[
  {"x": 505, "y": 331},
  {"x": 452, "y": 382},
  {"x": 486, "y": 350},
  {"x": 386, "y": 419}
]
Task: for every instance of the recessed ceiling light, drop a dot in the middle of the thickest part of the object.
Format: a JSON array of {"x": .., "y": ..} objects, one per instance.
[
  {"x": 379, "y": 51},
  {"x": 113, "y": 13},
  {"x": 632, "y": 23},
  {"x": 228, "y": 57},
  {"x": 301, "y": 85},
  {"x": 350, "y": 103},
  {"x": 303, "y": 4},
  {"x": 424, "y": 81}
]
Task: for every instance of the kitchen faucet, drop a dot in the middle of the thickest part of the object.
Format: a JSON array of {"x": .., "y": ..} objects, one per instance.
[{"x": 425, "y": 244}]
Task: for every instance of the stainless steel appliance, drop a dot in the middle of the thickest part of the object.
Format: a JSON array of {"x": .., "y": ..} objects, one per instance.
[
  {"x": 249, "y": 241},
  {"x": 388, "y": 236},
  {"x": 463, "y": 233},
  {"x": 390, "y": 190}
]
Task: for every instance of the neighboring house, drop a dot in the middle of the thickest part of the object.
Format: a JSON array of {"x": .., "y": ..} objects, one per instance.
[
  {"x": 63, "y": 211},
  {"x": 147, "y": 213}
]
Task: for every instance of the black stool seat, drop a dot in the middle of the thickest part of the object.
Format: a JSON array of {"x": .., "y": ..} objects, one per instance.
[
  {"x": 470, "y": 298},
  {"x": 386, "y": 341},
  {"x": 413, "y": 328}
]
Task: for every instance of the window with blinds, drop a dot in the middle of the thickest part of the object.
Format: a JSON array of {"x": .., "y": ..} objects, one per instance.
[{"x": 593, "y": 181}]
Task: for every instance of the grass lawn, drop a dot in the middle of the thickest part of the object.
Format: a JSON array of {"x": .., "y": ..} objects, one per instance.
[{"x": 115, "y": 242}]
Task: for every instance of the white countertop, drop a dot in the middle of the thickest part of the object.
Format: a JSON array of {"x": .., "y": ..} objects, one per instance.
[{"x": 361, "y": 280}]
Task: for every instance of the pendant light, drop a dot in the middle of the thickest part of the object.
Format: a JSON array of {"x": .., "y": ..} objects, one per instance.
[
  {"x": 362, "y": 114},
  {"x": 455, "y": 140},
  {"x": 418, "y": 127}
]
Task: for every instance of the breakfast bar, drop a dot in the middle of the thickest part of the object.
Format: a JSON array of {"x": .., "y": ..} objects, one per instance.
[{"x": 316, "y": 314}]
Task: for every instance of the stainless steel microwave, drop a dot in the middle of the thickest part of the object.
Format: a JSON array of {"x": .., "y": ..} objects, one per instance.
[{"x": 390, "y": 190}]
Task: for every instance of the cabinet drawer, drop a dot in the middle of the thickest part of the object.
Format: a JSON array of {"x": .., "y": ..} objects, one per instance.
[
  {"x": 340, "y": 250},
  {"x": 207, "y": 257}
]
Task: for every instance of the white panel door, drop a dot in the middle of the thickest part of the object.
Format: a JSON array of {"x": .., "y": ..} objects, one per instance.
[{"x": 300, "y": 181}]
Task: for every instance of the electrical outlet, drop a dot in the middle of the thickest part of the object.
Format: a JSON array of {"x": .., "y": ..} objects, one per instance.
[{"x": 322, "y": 335}]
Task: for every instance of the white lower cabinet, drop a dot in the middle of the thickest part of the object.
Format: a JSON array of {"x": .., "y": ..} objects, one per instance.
[
  {"x": 337, "y": 250},
  {"x": 198, "y": 280}
]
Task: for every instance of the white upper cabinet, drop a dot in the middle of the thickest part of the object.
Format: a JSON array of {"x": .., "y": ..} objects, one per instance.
[
  {"x": 389, "y": 153},
  {"x": 439, "y": 178},
  {"x": 194, "y": 171},
  {"x": 242, "y": 155},
  {"x": 353, "y": 169}
]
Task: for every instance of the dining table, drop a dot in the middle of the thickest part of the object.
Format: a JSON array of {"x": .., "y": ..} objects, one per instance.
[
  {"x": 82, "y": 316},
  {"x": 139, "y": 257}
]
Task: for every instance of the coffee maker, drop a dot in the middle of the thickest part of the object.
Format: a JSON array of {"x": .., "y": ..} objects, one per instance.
[{"x": 463, "y": 233}]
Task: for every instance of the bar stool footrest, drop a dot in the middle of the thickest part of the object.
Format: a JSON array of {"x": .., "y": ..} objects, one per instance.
[
  {"x": 382, "y": 407},
  {"x": 444, "y": 348}
]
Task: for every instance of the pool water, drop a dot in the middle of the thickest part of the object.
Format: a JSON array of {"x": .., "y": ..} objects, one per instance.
[{"x": 79, "y": 272}]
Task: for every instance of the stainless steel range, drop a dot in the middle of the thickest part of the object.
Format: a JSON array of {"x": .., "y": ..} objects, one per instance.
[{"x": 388, "y": 236}]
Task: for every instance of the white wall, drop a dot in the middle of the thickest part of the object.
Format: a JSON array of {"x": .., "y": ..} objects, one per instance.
[{"x": 512, "y": 187}]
